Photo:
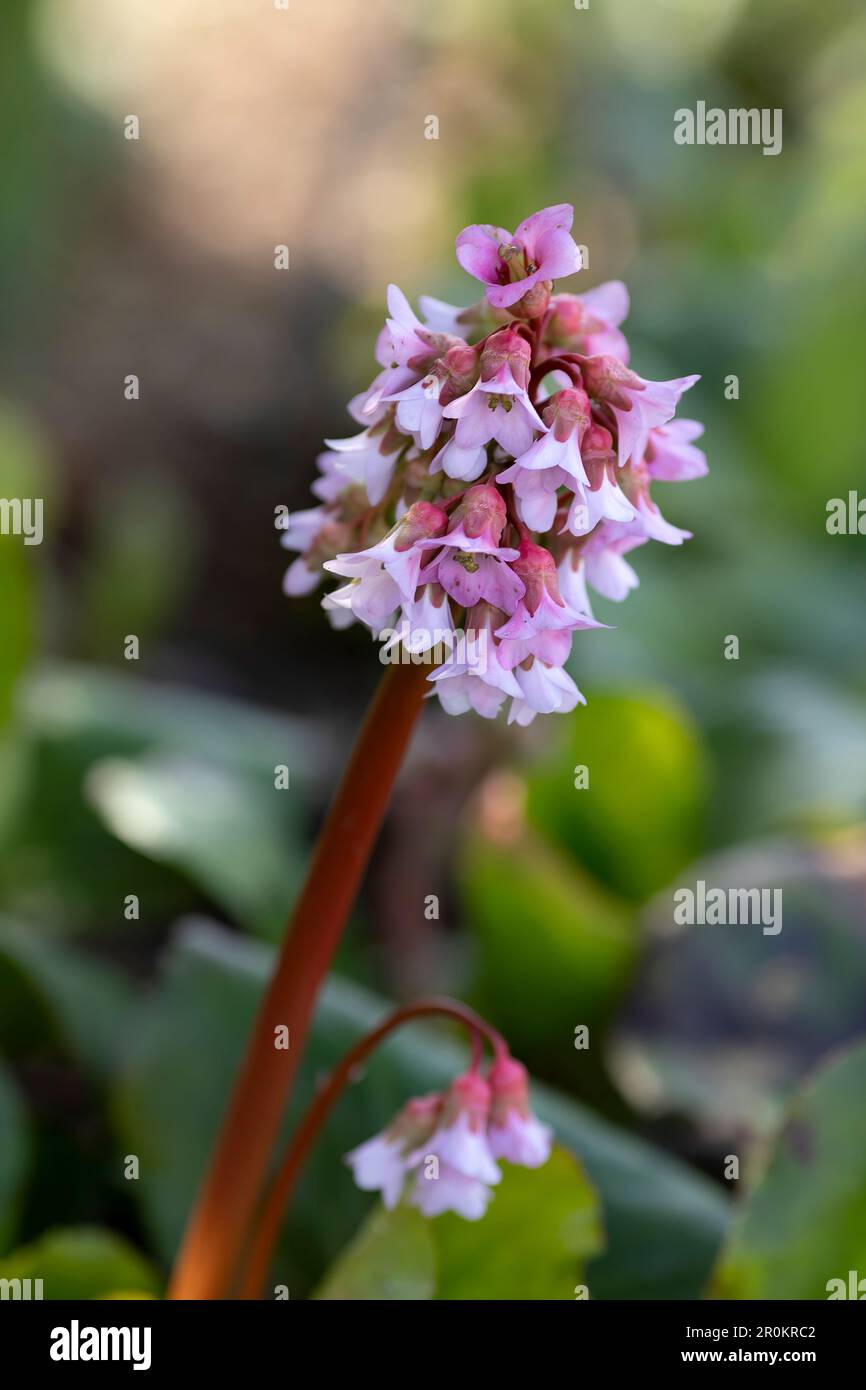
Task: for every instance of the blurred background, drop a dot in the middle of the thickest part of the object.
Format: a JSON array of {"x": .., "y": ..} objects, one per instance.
[{"x": 146, "y": 861}]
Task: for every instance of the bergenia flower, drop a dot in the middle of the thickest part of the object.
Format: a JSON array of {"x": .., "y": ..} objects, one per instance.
[
  {"x": 498, "y": 406},
  {"x": 542, "y": 249},
  {"x": 514, "y": 1133},
  {"x": 638, "y": 405},
  {"x": 589, "y": 323},
  {"x": 440, "y": 1152},
  {"x": 504, "y": 470}
]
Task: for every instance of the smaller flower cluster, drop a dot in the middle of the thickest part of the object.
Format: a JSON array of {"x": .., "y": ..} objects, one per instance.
[
  {"x": 503, "y": 468},
  {"x": 441, "y": 1150}
]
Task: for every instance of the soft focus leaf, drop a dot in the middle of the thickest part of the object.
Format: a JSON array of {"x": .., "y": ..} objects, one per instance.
[
  {"x": 222, "y": 829},
  {"x": 663, "y": 1223},
  {"x": 637, "y": 821},
  {"x": 65, "y": 868},
  {"x": 81, "y": 1262},
  {"x": 804, "y": 1222},
  {"x": 392, "y": 1257},
  {"x": 533, "y": 1242},
  {"x": 49, "y": 993},
  {"x": 546, "y": 932},
  {"x": 722, "y": 1022}
]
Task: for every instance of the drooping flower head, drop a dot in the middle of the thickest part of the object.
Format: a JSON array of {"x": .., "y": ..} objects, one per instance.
[
  {"x": 440, "y": 1152},
  {"x": 503, "y": 470}
]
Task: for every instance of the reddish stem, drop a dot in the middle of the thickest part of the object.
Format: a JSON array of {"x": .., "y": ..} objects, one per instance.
[
  {"x": 239, "y": 1159},
  {"x": 268, "y": 1228}
]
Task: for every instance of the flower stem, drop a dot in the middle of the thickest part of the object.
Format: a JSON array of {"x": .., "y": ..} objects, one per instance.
[
  {"x": 227, "y": 1200},
  {"x": 268, "y": 1227}
]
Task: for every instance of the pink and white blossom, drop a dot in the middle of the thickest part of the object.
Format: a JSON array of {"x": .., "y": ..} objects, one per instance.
[{"x": 541, "y": 249}]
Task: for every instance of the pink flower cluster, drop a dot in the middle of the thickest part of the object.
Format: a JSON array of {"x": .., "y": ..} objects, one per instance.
[
  {"x": 503, "y": 469},
  {"x": 442, "y": 1150}
]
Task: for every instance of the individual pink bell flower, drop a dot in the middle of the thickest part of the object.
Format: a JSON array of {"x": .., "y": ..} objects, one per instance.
[
  {"x": 513, "y": 1131},
  {"x": 571, "y": 577},
  {"x": 498, "y": 406},
  {"x": 460, "y": 1138},
  {"x": 478, "y": 522},
  {"x": 471, "y": 566},
  {"x": 670, "y": 455},
  {"x": 406, "y": 349},
  {"x": 602, "y": 499},
  {"x": 638, "y": 405},
  {"x": 598, "y": 561},
  {"x": 544, "y": 689},
  {"x": 456, "y": 462},
  {"x": 420, "y": 406},
  {"x": 419, "y": 411},
  {"x": 372, "y": 599},
  {"x": 470, "y": 578},
  {"x": 535, "y": 493},
  {"x": 426, "y": 622},
  {"x": 589, "y": 323},
  {"x": 648, "y": 519},
  {"x": 542, "y": 606},
  {"x": 369, "y": 458},
  {"x": 450, "y": 1190},
  {"x": 394, "y": 563},
  {"x": 553, "y": 461},
  {"x": 541, "y": 249},
  {"x": 568, "y": 417},
  {"x": 474, "y": 677},
  {"x": 302, "y": 529},
  {"x": 606, "y": 570},
  {"x": 382, "y": 1163},
  {"x": 552, "y": 645}
]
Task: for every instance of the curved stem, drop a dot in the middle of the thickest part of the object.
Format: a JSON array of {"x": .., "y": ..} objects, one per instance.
[
  {"x": 267, "y": 1230},
  {"x": 227, "y": 1200}
]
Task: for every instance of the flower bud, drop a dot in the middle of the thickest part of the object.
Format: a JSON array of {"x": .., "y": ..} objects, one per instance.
[
  {"x": 564, "y": 328},
  {"x": 459, "y": 372},
  {"x": 537, "y": 568},
  {"x": 481, "y": 513},
  {"x": 422, "y": 522},
  {"x": 534, "y": 303},
  {"x": 507, "y": 348},
  {"x": 568, "y": 410},
  {"x": 608, "y": 379}
]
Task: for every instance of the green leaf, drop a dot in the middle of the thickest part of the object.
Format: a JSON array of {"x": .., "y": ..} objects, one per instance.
[
  {"x": 81, "y": 1262},
  {"x": 663, "y": 1222},
  {"x": 14, "y": 1152},
  {"x": 70, "y": 870},
  {"x": 637, "y": 822},
  {"x": 220, "y": 828},
  {"x": 540, "y": 1227},
  {"x": 544, "y": 931},
  {"x": 391, "y": 1258},
  {"x": 534, "y": 1240},
  {"x": 804, "y": 1222},
  {"x": 49, "y": 993},
  {"x": 765, "y": 1008}
]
